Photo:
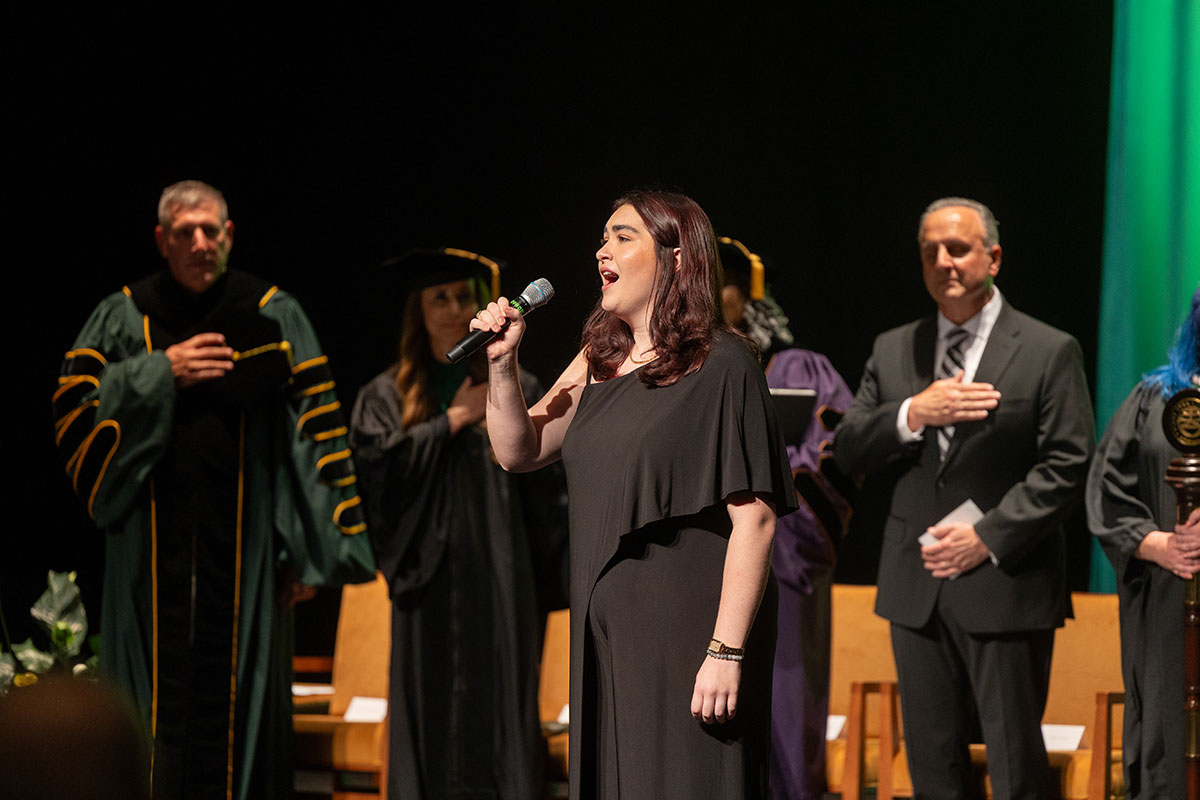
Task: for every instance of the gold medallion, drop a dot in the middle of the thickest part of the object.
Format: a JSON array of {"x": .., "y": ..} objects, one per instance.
[{"x": 1181, "y": 421}]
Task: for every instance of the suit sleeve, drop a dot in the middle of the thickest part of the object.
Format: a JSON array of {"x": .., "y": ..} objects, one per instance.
[
  {"x": 113, "y": 410},
  {"x": 1031, "y": 508},
  {"x": 318, "y": 512},
  {"x": 865, "y": 440}
]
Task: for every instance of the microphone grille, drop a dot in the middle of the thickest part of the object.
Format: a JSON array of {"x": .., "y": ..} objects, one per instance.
[{"x": 538, "y": 293}]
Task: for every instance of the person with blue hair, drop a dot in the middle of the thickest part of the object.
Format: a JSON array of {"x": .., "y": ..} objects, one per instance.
[{"x": 1132, "y": 511}]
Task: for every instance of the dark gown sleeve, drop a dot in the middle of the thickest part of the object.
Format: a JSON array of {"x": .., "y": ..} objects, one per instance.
[
  {"x": 113, "y": 410},
  {"x": 402, "y": 482},
  {"x": 1118, "y": 513}
]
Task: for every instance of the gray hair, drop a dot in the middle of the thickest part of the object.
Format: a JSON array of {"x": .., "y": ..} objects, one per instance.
[
  {"x": 991, "y": 228},
  {"x": 189, "y": 194}
]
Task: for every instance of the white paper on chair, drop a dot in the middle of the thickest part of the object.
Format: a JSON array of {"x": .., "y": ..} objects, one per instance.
[
  {"x": 1062, "y": 737},
  {"x": 564, "y": 716},
  {"x": 366, "y": 709},
  {"x": 833, "y": 726}
]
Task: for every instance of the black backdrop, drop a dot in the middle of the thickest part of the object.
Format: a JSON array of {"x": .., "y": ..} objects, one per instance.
[{"x": 339, "y": 138}]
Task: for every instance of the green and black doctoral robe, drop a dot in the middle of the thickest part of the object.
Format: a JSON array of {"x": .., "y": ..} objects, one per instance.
[{"x": 208, "y": 495}]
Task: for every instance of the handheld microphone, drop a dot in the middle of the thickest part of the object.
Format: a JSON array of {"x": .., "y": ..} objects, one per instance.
[{"x": 536, "y": 294}]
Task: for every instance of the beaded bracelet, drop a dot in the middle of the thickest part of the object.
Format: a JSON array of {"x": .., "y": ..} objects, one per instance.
[{"x": 718, "y": 649}]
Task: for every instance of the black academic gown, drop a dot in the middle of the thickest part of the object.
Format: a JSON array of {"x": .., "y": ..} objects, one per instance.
[
  {"x": 469, "y": 552},
  {"x": 1126, "y": 499}
]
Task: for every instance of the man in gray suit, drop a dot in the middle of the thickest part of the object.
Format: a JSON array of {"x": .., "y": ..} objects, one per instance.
[{"x": 982, "y": 411}]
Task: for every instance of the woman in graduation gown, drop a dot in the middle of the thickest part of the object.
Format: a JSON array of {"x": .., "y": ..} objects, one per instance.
[
  {"x": 675, "y": 471},
  {"x": 467, "y": 550},
  {"x": 1132, "y": 510}
]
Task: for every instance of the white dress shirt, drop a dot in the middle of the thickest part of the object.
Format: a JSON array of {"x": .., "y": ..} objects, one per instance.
[{"x": 979, "y": 327}]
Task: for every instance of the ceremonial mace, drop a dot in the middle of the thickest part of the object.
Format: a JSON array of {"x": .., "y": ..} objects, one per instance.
[{"x": 1181, "y": 424}]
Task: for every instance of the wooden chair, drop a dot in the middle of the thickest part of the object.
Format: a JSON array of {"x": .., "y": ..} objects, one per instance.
[
  {"x": 355, "y": 752},
  {"x": 1085, "y": 683},
  {"x": 554, "y": 690},
  {"x": 1087, "y": 667},
  {"x": 863, "y": 676}
]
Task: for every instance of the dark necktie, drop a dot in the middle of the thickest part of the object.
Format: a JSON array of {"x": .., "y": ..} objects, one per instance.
[{"x": 952, "y": 364}]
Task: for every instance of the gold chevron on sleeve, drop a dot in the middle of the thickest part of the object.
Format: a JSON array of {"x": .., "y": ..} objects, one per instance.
[
  {"x": 318, "y": 388},
  {"x": 312, "y": 362},
  {"x": 316, "y": 412},
  {"x": 353, "y": 506},
  {"x": 76, "y": 462},
  {"x": 336, "y": 469},
  {"x": 68, "y": 382},
  {"x": 61, "y": 425},
  {"x": 87, "y": 352},
  {"x": 266, "y": 298}
]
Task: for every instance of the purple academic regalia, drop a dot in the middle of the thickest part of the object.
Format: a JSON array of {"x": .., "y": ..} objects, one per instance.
[{"x": 803, "y": 562}]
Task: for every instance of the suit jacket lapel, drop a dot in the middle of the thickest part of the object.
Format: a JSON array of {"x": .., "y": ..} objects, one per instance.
[
  {"x": 1002, "y": 345},
  {"x": 924, "y": 343}
]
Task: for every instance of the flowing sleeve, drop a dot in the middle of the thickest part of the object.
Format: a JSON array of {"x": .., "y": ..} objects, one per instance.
[
  {"x": 822, "y": 487},
  {"x": 750, "y": 451},
  {"x": 318, "y": 512},
  {"x": 113, "y": 410},
  {"x": 1117, "y": 511},
  {"x": 403, "y": 483}
]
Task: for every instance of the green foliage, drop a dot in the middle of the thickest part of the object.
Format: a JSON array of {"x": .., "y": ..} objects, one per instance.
[
  {"x": 8, "y": 669},
  {"x": 33, "y": 659},
  {"x": 61, "y": 615},
  {"x": 60, "y": 611}
]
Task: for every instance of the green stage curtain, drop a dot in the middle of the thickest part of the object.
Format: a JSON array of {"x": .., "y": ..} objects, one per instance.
[{"x": 1152, "y": 213}]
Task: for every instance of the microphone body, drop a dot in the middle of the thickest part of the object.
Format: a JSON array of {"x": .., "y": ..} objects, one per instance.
[{"x": 535, "y": 295}]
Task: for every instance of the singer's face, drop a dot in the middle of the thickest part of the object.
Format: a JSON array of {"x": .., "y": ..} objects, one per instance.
[
  {"x": 447, "y": 309},
  {"x": 627, "y": 260}
]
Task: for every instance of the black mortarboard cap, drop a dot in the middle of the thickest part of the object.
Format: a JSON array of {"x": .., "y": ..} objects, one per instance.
[{"x": 429, "y": 266}]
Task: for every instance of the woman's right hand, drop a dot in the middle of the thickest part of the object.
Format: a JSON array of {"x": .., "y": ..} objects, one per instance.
[
  {"x": 493, "y": 318},
  {"x": 467, "y": 406}
]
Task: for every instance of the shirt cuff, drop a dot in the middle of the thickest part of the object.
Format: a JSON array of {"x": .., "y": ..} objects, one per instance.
[{"x": 902, "y": 432}]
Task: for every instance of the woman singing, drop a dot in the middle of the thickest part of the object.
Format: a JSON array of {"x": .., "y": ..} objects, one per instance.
[
  {"x": 675, "y": 471},
  {"x": 467, "y": 549},
  {"x": 1132, "y": 510}
]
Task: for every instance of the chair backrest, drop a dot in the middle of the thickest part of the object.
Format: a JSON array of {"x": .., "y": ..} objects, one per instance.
[
  {"x": 555, "y": 685},
  {"x": 861, "y": 647},
  {"x": 1087, "y": 659},
  {"x": 361, "y": 654}
]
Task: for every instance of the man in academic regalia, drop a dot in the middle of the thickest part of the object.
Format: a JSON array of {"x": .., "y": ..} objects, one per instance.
[{"x": 198, "y": 423}]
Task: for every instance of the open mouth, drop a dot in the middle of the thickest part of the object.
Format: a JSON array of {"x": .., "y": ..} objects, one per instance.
[{"x": 608, "y": 277}]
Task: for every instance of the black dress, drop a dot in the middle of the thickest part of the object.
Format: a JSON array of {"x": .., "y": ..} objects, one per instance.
[
  {"x": 469, "y": 553},
  {"x": 648, "y": 472},
  {"x": 1126, "y": 499}
]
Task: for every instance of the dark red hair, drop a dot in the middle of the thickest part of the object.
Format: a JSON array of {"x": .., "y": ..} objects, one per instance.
[{"x": 686, "y": 307}]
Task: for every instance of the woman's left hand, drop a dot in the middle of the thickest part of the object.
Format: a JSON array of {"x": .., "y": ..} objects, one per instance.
[{"x": 715, "y": 697}]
